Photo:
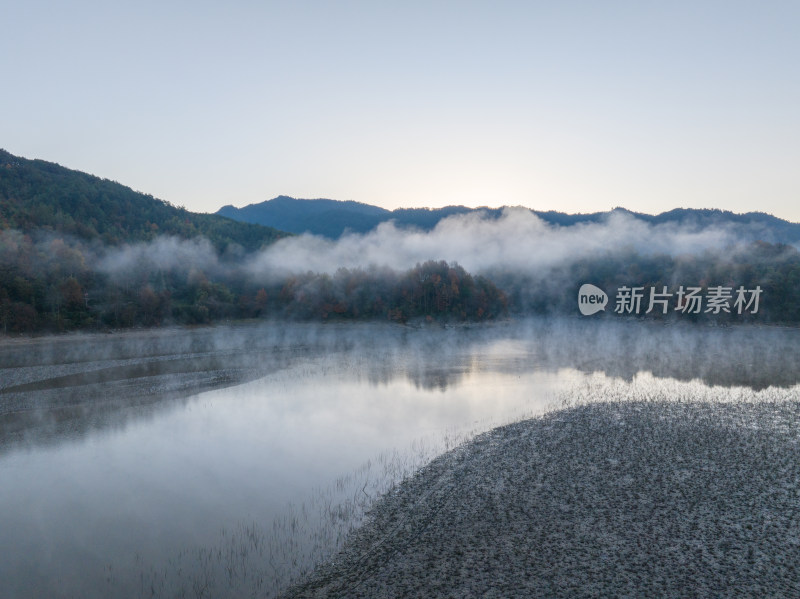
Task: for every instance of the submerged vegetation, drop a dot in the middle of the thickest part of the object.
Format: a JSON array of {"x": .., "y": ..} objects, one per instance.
[{"x": 262, "y": 559}]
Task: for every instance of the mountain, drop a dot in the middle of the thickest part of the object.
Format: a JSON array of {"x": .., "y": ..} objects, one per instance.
[
  {"x": 331, "y": 218},
  {"x": 323, "y": 217},
  {"x": 39, "y": 195},
  {"x": 65, "y": 264}
]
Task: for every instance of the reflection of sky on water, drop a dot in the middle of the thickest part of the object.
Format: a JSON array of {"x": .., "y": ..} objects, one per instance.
[
  {"x": 154, "y": 486},
  {"x": 153, "y": 479}
]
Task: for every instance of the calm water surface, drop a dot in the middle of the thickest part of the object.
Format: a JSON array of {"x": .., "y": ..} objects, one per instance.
[{"x": 95, "y": 500}]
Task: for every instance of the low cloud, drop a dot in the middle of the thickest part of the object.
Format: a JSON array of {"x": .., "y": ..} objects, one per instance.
[
  {"x": 518, "y": 240},
  {"x": 162, "y": 254}
]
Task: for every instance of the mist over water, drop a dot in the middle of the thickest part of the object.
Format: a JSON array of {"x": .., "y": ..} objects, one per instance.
[
  {"x": 141, "y": 449},
  {"x": 52, "y": 387}
]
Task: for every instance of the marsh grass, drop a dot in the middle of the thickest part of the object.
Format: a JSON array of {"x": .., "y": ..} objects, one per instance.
[
  {"x": 256, "y": 559},
  {"x": 253, "y": 559},
  {"x": 669, "y": 489}
]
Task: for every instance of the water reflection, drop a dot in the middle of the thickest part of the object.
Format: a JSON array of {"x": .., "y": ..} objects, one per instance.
[
  {"x": 130, "y": 500},
  {"x": 112, "y": 463},
  {"x": 63, "y": 388}
]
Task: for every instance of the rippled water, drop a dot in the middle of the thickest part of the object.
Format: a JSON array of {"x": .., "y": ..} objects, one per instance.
[{"x": 119, "y": 476}]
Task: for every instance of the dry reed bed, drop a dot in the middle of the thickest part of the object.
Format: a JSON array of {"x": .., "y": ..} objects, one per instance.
[{"x": 661, "y": 496}]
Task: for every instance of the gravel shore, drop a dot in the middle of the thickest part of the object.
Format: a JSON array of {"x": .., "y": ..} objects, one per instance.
[{"x": 629, "y": 499}]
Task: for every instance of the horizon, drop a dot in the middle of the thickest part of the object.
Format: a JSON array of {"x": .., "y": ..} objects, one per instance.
[
  {"x": 548, "y": 107},
  {"x": 500, "y": 206},
  {"x": 470, "y": 207}
]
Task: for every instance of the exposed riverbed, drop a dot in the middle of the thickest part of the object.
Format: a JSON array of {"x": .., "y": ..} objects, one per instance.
[
  {"x": 229, "y": 461},
  {"x": 662, "y": 498}
]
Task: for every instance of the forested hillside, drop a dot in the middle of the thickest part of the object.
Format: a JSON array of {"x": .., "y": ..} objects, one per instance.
[
  {"x": 79, "y": 252},
  {"x": 773, "y": 268},
  {"x": 36, "y": 195},
  {"x": 56, "y": 285}
]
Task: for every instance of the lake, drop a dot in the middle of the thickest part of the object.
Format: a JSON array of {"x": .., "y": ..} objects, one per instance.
[{"x": 224, "y": 461}]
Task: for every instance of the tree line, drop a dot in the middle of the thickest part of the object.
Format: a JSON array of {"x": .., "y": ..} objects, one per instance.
[
  {"x": 774, "y": 268},
  {"x": 52, "y": 285}
]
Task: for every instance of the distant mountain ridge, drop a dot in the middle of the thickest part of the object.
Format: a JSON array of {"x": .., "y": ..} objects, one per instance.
[
  {"x": 36, "y": 195},
  {"x": 333, "y": 218},
  {"x": 324, "y": 217}
]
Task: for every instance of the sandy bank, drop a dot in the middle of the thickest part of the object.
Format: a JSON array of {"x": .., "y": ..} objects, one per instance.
[{"x": 621, "y": 499}]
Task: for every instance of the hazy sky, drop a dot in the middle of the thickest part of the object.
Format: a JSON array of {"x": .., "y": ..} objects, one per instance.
[{"x": 574, "y": 106}]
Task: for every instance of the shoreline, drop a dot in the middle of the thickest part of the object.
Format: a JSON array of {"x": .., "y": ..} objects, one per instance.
[
  {"x": 614, "y": 499},
  {"x": 8, "y": 339}
]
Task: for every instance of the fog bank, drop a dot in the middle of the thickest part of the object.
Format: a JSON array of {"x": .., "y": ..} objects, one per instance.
[{"x": 518, "y": 240}]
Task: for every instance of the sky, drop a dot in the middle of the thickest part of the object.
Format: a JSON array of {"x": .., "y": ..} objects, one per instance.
[{"x": 571, "y": 106}]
